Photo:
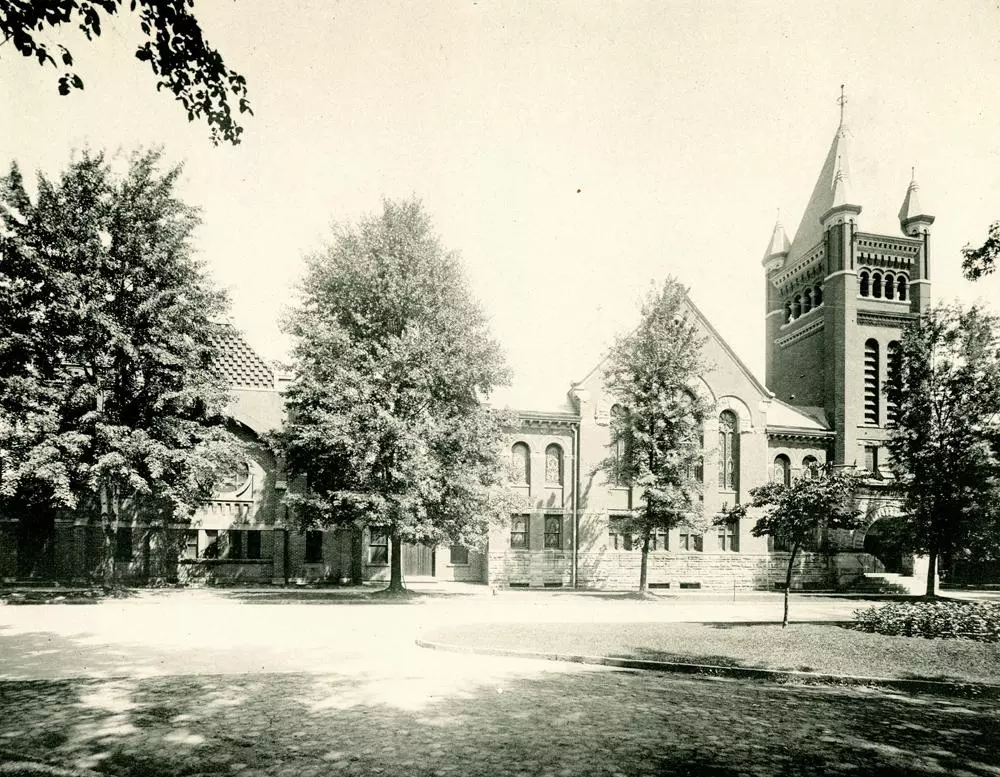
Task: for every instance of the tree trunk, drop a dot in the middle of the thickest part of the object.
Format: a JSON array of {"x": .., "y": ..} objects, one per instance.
[
  {"x": 644, "y": 563},
  {"x": 108, "y": 560},
  {"x": 932, "y": 558},
  {"x": 395, "y": 563},
  {"x": 108, "y": 520},
  {"x": 788, "y": 583}
]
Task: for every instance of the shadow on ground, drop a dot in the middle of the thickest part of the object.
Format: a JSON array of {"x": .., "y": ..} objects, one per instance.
[{"x": 587, "y": 723}]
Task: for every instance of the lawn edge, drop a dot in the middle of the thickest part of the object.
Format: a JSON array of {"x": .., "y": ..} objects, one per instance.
[{"x": 965, "y": 689}]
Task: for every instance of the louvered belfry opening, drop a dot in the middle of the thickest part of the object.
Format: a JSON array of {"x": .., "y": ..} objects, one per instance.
[{"x": 871, "y": 382}]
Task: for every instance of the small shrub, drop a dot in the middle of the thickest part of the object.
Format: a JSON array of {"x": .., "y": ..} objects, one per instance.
[{"x": 978, "y": 621}]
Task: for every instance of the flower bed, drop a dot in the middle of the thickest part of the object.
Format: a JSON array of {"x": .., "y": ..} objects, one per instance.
[{"x": 978, "y": 621}]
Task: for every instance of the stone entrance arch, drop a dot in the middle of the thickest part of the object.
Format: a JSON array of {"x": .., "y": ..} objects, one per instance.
[{"x": 882, "y": 540}]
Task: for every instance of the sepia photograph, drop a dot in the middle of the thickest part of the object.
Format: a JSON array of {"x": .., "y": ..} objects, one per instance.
[{"x": 464, "y": 388}]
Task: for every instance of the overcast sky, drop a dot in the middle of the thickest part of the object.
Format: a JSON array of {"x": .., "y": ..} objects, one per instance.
[{"x": 571, "y": 152}]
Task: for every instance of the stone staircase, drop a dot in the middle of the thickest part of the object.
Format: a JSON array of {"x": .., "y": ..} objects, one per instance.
[{"x": 881, "y": 583}]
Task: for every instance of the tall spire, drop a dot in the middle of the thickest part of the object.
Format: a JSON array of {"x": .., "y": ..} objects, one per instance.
[{"x": 830, "y": 191}]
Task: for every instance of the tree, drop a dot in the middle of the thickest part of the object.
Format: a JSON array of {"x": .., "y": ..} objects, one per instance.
[
  {"x": 946, "y": 440},
  {"x": 977, "y": 262},
  {"x": 392, "y": 358},
  {"x": 656, "y": 440},
  {"x": 108, "y": 401},
  {"x": 798, "y": 512},
  {"x": 175, "y": 49}
]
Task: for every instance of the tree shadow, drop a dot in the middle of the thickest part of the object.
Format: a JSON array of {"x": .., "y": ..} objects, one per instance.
[
  {"x": 355, "y": 595},
  {"x": 580, "y": 723}
]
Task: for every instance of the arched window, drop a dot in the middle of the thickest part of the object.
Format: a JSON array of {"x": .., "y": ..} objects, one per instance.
[
  {"x": 520, "y": 464},
  {"x": 893, "y": 363},
  {"x": 796, "y": 307},
  {"x": 553, "y": 465},
  {"x": 788, "y": 312},
  {"x": 619, "y": 445},
  {"x": 729, "y": 451},
  {"x": 871, "y": 382},
  {"x": 807, "y": 300},
  {"x": 890, "y": 286},
  {"x": 901, "y": 287},
  {"x": 863, "y": 283},
  {"x": 877, "y": 285},
  {"x": 808, "y": 467},
  {"x": 782, "y": 469},
  {"x": 817, "y": 296}
]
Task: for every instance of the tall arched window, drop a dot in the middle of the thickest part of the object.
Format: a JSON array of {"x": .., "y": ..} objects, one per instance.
[
  {"x": 788, "y": 312},
  {"x": 809, "y": 467},
  {"x": 871, "y": 382},
  {"x": 817, "y": 295},
  {"x": 901, "y": 287},
  {"x": 807, "y": 300},
  {"x": 893, "y": 363},
  {"x": 796, "y": 307},
  {"x": 877, "y": 285},
  {"x": 729, "y": 451},
  {"x": 553, "y": 465},
  {"x": 890, "y": 286},
  {"x": 863, "y": 283},
  {"x": 619, "y": 444},
  {"x": 782, "y": 469},
  {"x": 520, "y": 464}
]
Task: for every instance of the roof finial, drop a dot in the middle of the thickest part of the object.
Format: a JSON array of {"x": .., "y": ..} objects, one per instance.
[
  {"x": 843, "y": 101},
  {"x": 913, "y": 173}
]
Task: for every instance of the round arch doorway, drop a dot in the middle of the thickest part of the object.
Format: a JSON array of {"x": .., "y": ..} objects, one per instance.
[{"x": 883, "y": 541}]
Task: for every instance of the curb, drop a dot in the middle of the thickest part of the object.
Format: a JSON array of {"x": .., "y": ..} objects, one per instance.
[{"x": 970, "y": 689}]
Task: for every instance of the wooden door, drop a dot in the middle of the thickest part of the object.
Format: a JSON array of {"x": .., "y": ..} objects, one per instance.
[{"x": 418, "y": 560}]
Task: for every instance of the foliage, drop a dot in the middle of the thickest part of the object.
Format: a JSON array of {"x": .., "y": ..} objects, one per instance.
[
  {"x": 797, "y": 512},
  {"x": 979, "y": 621},
  {"x": 657, "y": 438},
  {"x": 977, "y": 262},
  {"x": 946, "y": 439},
  {"x": 393, "y": 357},
  {"x": 108, "y": 328},
  {"x": 175, "y": 49}
]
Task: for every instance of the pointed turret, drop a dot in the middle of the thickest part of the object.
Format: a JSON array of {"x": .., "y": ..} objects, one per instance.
[
  {"x": 777, "y": 248},
  {"x": 913, "y": 219},
  {"x": 840, "y": 201}
]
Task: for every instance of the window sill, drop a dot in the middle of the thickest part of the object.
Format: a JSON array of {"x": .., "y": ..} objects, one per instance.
[
  {"x": 222, "y": 561},
  {"x": 459, "y": 565}
]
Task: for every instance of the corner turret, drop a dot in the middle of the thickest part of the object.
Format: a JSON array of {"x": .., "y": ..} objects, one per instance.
[
  {"x": 777, "y": 248},
  {"x": 913, "y": 219}
]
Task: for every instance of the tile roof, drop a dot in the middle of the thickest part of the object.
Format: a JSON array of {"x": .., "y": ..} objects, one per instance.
[{"x": 239, "y": 364}]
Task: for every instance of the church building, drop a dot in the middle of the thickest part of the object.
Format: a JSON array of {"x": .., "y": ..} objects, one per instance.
[{"x": 836, "y": 301}]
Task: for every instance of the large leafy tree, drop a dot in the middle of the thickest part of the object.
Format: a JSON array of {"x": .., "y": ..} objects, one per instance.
[
  {"x": 799, "y": 511},
  {"x": 108, "y": 329},
  {"x": 175, "y": 48},
  {"x": 982, "y": 260},
  {"x": 393, "y": 357},
  {"x": 656, "y": 441},
  {"x": 945, "y": 386}
]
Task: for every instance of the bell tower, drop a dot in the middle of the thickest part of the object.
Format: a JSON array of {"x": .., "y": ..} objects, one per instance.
[{"x": 838, "y": 299}]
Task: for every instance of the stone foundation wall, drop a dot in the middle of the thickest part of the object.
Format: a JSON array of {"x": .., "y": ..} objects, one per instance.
[{"x": 619, "y": 570}]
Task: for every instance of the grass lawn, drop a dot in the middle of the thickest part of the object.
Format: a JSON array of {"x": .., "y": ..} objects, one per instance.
[{"x": 822, "y": 648}]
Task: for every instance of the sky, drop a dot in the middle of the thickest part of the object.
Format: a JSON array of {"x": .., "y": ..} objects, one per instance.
[{"x": 573, "y": 153}]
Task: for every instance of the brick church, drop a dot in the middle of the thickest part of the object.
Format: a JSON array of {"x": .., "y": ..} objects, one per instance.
[{"x": 836, "y": 300}]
